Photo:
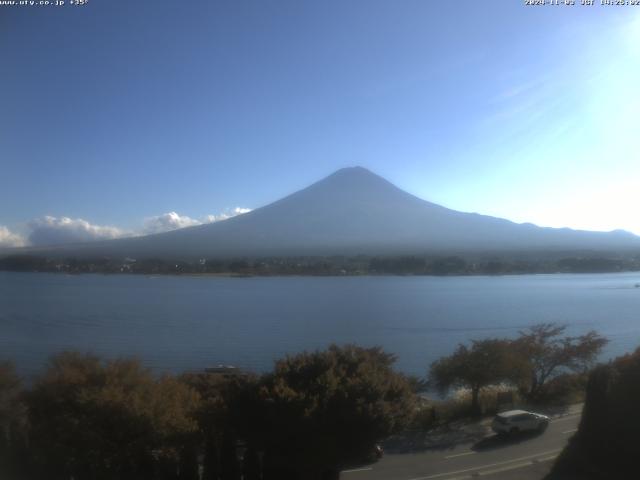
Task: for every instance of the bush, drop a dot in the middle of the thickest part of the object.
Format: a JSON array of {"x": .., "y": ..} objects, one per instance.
[
  {"x": 458, "y": 406},
  {"x": 606, "y": 443},
  {"x": 563, "y": 390},
  {"x": 488, "y": 399}
]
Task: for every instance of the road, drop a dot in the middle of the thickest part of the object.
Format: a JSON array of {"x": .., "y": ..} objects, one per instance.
[{"x": 526, "y": 457}]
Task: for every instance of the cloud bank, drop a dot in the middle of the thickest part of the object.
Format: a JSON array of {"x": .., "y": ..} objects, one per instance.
[
  {"x": 172, "y": 220},
  {"x": 57, "y": 230},
  {"x": 167, "y": 222},
  {"x": 8, "y": 239},
  {"x": 50, "y": 230}
]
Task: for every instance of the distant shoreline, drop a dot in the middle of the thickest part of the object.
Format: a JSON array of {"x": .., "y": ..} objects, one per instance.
[
  {"x": 299, "y": 275},
  {"x": 336, "y": 266}
]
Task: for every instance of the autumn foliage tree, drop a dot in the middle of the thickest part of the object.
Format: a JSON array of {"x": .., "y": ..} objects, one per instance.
[
  {"x": 92, "y": 419},
  {"x": 483, "y": 363},
  {"x": 544, "y": 352},
  {"x": 327, "y": 409}
]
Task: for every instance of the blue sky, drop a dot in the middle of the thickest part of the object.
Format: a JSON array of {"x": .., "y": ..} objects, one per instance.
[{"x": 142, "y": 116}]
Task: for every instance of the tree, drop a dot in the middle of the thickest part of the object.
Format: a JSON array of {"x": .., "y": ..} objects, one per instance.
[
  {"x": 449, "y": 266},
  {"x": 606, "y": 443},
  {"x": 93, "y": 419},
  {"x": 327, "y": 409},
  {"x": 484, "y": 363},
  {"x": 545, "y": 354},
  {"x": 224, "y": 415},
  {"x": 418, "y": 384},
  {"x": 12, "y": 421},
  {"x": 10, "y": 388}
]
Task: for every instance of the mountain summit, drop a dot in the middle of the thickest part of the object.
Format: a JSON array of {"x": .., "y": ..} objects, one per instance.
[{"x": 353, "y": 211}]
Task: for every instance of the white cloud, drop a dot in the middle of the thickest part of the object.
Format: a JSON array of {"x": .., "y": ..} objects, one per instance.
[
  {"x": 10, "y": 239},
  {"x": 56, "y": 230},
  {"x": 51, "y": 230},
  {"x": 172, "y": 220},
  {"x": 228, "y": 214},
  {"x": 167, "y": 222}
]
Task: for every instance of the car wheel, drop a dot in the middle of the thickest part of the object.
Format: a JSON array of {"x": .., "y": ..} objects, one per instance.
[{"x": 543, "y": 426}]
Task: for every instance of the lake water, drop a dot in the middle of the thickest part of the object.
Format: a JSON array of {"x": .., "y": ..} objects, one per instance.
[{"x": 176, "y": 323}]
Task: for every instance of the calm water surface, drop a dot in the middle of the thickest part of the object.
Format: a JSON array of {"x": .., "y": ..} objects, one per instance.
[{"x": 176, "y": 323}]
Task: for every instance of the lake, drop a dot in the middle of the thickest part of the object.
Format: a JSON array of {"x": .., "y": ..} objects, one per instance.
[{"x": 176, "y": 323}]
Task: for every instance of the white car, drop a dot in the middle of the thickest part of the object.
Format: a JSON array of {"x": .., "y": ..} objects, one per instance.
[{"x": 516, "y": 421}]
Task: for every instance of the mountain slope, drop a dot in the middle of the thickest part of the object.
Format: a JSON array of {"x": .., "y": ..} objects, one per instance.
[{"x": 349, "y": 212}]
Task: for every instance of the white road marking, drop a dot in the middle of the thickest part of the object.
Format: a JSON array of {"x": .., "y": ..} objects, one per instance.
[
  {"x": 573, "y": 430},
  {"x": 497, "y": 464},
  {"x": 460, "y": 455},
  {"x": 546, "y": 459},
  {"x": 353, "y": 470},
  {"x": 517, "y": 465}
]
